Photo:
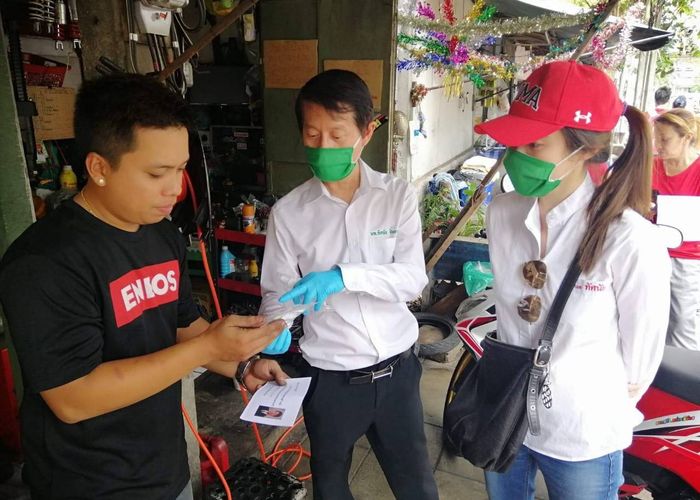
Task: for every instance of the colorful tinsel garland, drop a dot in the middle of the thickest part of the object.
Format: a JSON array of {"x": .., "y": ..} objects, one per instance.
[
  {"x": 456, "y": 58},
  {"x": 612, "y": 59},
  {"x": 451, "y": 47},
  {"x": 467, "y": 28}
]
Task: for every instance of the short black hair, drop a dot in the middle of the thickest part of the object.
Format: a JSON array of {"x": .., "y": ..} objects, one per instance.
[
  {"x": 662, "y": 95},
  {"x": 340, "y": 91},
  {"x": 108, "y": 109},
  {"x": 680, "y": 102}
]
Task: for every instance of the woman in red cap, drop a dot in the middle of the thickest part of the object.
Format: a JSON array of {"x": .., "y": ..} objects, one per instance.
[
  {"x": 610, "y": 338},
  {"x": 677, "y": 173}
]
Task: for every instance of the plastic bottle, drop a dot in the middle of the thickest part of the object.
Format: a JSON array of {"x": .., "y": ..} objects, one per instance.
[
  {"x": 248, "y": 218},
  {"x": 68, "y": 180},
  {"x": 227, "y": 262},
  {"x": 253, "y": 271}
]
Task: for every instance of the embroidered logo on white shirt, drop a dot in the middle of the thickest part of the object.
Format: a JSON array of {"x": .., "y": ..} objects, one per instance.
[
  {"x": 590, "y": 286},
  {"x": 389, "y": 232}
]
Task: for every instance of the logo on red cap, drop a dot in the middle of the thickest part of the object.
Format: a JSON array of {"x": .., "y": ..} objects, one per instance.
[
  {"x": 529, "y": 95},
  {"x": 580, "y": 116}
]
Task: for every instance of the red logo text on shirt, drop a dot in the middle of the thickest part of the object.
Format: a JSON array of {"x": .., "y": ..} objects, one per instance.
[
  {"x": 143, "y": 289},
  {"x": 591, "y": 286}
]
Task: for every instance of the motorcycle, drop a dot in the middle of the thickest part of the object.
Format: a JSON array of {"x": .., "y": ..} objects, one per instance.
[{"x": 664, "y": 457}]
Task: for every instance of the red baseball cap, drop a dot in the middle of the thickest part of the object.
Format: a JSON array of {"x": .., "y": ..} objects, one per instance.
[{"x": 557, "y": 95}]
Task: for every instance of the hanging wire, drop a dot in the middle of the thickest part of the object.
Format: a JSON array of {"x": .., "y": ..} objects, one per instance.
[
  {"x": 153, "y": 49},
  {"x": 133, "y": 62},
  {"x": 181, "y": 41},
  {"x": 163, "y": 49},
  {"x": 166, "y": 48},
  {"x": 186, "y": 41},
  {"x": 201, "y": 20}
]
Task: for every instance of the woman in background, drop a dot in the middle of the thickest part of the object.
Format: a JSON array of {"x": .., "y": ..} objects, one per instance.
[{"x": 677, "y": 173}]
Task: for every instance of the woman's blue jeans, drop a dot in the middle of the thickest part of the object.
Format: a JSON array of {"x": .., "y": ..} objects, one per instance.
[{"x": 596, "y": 479}]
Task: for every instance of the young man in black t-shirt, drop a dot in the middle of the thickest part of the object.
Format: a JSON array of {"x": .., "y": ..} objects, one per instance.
[{"x": 100, "y": 310}]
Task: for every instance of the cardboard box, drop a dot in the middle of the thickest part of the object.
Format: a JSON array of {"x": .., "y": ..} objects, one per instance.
[{"x": 55, "y": 108}]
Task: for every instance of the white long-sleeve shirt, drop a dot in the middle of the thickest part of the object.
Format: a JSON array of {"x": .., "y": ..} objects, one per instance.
[
  {"x": 612, "y": 331},
  {"x": 376, "y": 242}
]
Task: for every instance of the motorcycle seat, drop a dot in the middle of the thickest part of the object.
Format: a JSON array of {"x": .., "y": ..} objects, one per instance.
[{"x": 679, "y": 374}]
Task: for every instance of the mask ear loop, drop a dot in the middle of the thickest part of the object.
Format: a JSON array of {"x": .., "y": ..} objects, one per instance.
[
  {"x": 562, "y": 161},
  {"x": 353, "y": 149}
]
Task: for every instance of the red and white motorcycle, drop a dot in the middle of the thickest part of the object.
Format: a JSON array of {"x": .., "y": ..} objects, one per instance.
[{"x": 664, "y": 457}]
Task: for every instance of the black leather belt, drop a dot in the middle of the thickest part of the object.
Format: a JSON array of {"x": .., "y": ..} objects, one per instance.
[{"x": 368, "y": 376}]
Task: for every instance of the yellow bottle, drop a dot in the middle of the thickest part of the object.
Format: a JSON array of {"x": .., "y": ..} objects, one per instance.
[
  {"x": 253, "y": 269},
  {"x": 68, "y": 180}
]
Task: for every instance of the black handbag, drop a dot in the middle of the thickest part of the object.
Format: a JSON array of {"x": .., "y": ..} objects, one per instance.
[{"x": 496, "y": 398}]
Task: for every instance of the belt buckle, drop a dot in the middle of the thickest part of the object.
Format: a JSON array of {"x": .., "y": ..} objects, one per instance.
[
  {"x": 542, "y": 355},
  {"x": 386, "y": 372}
]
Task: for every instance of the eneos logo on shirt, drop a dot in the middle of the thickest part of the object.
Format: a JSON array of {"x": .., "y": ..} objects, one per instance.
[{"x": 143, "y": 289}]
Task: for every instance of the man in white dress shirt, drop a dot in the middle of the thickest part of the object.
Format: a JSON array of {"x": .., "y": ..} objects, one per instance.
[{"x": 348, "y": 244}]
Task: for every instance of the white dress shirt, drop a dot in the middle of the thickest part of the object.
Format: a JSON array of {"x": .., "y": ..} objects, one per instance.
[
  {"x": 376, "y": 243},
  {"x": 613, "y": 328}
]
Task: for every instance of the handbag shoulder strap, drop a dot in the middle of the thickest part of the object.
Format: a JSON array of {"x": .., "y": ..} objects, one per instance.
[
  {"x": 543, "y": 353},
  {"x": 560, "y": 300}
]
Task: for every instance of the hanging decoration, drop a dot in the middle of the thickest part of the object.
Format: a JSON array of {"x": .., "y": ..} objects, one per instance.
[
  {"x": 448, "y": 12},
  {"x": 418, "y": 92},
  {"x": 565, "y": 49},
  {"x": 603, "y": 56},
  {"x": 453, "y": 82},
  {"x": 451, "y": 47},
  {"x": 480, "y": 12},
  {"x": 455, "y": 57},
  {"x": 468, "y": 29},
  {"x": 425, "y": 10}
]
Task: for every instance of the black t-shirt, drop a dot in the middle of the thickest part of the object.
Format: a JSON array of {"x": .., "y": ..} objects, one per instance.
[{"x": 78, "y": 292}]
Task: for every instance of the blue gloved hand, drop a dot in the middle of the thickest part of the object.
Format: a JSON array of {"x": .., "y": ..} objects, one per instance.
[
  {"x": 315, "y": 288},
  {"x": 281, "y": 344}
]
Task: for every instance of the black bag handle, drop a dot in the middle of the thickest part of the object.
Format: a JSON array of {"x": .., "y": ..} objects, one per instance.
[{"x": 544, "y": 351}]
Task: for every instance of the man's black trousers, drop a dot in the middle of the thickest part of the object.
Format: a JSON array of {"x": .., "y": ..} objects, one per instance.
[{"x": 388, "y": 411}]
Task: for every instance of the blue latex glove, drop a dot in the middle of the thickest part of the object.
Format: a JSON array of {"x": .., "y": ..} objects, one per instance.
[
  {"x": 281, "y": 344},
  {"x": 315, "y": 288}
]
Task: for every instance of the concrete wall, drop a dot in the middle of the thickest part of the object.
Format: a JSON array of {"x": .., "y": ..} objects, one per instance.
[
  {"x": 104, "y": 31},
  {"x": 448, "y": 121},
  {"x": 345, "y": 29}
]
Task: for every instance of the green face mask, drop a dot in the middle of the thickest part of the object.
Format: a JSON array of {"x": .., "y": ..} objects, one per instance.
[
  {"x": 331, "y": 164},
  {"x": 531, "y": 176}
]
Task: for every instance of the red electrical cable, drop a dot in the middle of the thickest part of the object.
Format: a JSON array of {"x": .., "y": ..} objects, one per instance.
[
  {"x": 204, "y": 448},
  {"x": 277, "y": 452},
  {"x": 203, "y": 248}
]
